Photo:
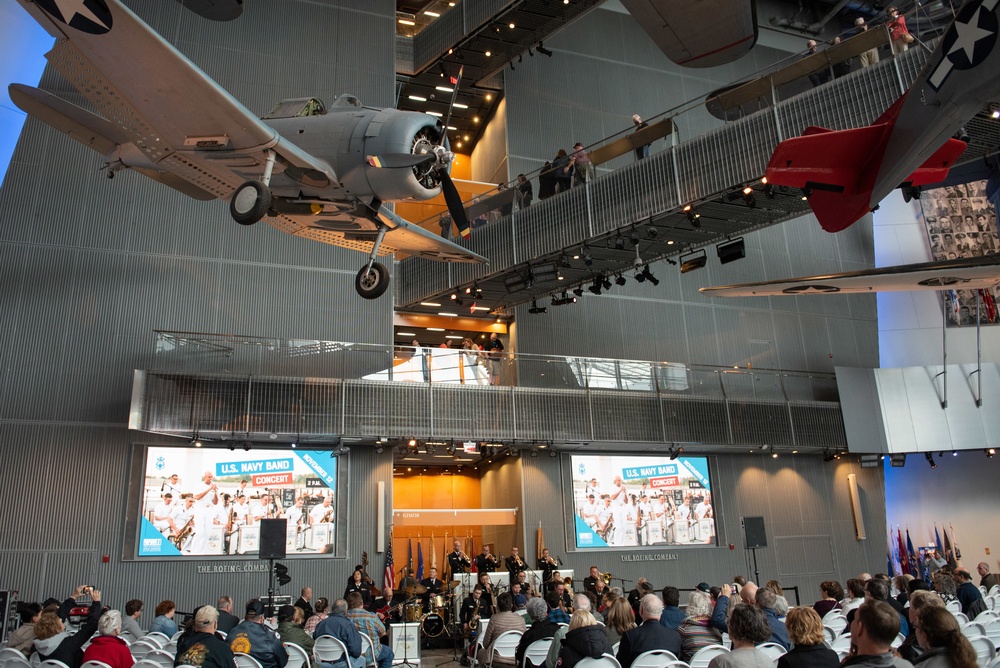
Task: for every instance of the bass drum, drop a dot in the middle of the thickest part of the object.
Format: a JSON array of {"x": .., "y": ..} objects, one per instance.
[{"x": 432, "y": 625}]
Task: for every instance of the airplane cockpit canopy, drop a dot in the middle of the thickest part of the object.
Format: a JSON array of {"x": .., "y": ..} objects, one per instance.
[
  {"x": 347, "y": 100},
  {"x": 297, "y": 107}
]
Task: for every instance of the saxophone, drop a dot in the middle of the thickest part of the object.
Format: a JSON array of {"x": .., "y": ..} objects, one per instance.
[{"x": 183, "y": 534}]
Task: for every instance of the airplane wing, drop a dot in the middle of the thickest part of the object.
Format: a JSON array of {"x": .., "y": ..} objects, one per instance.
[{"x": 963, "y": 273}]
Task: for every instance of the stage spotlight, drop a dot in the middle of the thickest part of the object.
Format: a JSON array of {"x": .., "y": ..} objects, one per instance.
[
  {"x": 749, "y": 198},
  {"x": 533, "y": 453},
  {"x": 606, "y": 283},
  {"x": 640, "y": 277},
  {"x": 828, "y": 457},
  {"x": 731, "y": 251},
  {"x": 412, "y": 443},
  {"x": 649, "y": 276},
  {"x": 536, "y": 309},
  {"x": 196, "y": 442},
  {"x": 930, "y": 459},
  {"x": 692, "y": 216},
  {"x": 633, "y": 237},
  {"x": 620, "y": 280},
  {"x": 246, "y": 446},
  {"x": 542, "y": 50},
  {"x": 457, "y": 298},
  {"x": 774, "y": 455},
  {"x": 807, "y": 192},
  {"x": 692, "y": 261},
  {"x": 379, "y": 448},
  {"x": 578, "y": 291},
  {"x": 477, "y": 291},
  {"x": 990, "y": 452},
  {"x": 768, "y": 188},
  {"x": 232, "y": 445},
  {"x": 596, "y": 287},
  {"x": 553, "y": 453}
]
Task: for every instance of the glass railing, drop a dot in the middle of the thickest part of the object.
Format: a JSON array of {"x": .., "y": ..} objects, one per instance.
[{"x": 195, "y": 353}]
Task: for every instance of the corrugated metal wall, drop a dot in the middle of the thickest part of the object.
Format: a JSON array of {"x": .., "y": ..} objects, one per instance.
[
  {"x": 804, "y": 503},
  {"x": 90, "y": 267},
  {"x": 587, "y": 90}
]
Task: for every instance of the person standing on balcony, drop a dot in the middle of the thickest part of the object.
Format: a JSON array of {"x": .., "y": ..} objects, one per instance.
[
  {"x": 640, "y": 151},
  {"x": 869, "y": 57},
  {"x": 898, "y": 33},
  {"x": 494, "y": 353}
]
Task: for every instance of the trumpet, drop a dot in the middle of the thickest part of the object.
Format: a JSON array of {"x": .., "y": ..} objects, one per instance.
[
  {"x": 550, "y": 561},
  {"x": 491, "y": 557},
  {"x": 607, "y": 577}
]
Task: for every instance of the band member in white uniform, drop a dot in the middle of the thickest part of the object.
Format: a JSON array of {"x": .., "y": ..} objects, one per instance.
[
  {"x": 206, "y": 500},
  {"x": 323, "y": 512},
  {"x": 182, "y": 514},
  {"x": 296, "y": 517},
  {"x": 161, "y": 513}
]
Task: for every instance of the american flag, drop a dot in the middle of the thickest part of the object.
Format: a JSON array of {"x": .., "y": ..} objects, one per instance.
[{"x": 390, "y": 569}]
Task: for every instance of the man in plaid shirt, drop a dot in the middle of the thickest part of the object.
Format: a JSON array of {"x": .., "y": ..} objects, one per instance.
[{"x": 369, "y": 624}]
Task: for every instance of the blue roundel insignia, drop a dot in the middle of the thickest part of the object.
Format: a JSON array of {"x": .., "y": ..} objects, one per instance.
[
  {"x": 161, "y": 463},
  {"x": 89, "y": 16},
  {"x": 968, "y": 42},
  {"x": 582, "y": 468}
]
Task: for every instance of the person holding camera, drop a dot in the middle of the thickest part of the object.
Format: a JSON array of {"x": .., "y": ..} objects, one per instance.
[{"x": 52, "y": 641}]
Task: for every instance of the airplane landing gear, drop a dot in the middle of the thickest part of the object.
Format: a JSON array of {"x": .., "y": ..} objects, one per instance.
[
  {"x": 250, "y": 203},
  {"x": 372, "y": 281}
]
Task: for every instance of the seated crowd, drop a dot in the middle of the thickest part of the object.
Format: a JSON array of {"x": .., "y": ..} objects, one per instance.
[{"x": 873, "y": 612}]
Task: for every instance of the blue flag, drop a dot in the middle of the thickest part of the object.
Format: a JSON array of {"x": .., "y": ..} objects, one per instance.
[
  {"x": 420, "y": 562},
  {"x": 937, "y": 540},
  {"x": 914, "y": 564}
]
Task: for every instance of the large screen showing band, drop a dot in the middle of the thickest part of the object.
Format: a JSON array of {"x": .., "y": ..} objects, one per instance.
[
  {"x": 629, "y": 501},
  {"x": 199, "y": 502}
]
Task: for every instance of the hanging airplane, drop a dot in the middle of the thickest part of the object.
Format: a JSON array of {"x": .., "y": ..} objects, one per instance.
[
  {"x": 964, "y": 273},
  {"x": 318, "y": 172},
  {"x": 846, "y": 173}
]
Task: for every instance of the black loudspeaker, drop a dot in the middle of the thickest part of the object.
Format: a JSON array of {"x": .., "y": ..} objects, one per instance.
[
  {"x": 272, "y": 539},
  {"x": 753, "y": 530}
]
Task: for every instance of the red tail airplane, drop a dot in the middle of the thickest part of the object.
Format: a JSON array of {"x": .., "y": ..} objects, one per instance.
[{"x": 846, "y": 173}]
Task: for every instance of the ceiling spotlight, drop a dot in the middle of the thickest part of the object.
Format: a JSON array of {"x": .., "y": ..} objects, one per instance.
[
  {"x": 774, "y": 455},
  {"x": 675, "y": 452},
  {"x": 412, "y": 443},
  {"x": 990, "y": 452},
  {"x": 533, "y": 452},
  {"x": 828, "y": 456},
  {"x": 930, "y": 459},
  {"x": 196, "y": 442},
  {"x": 748, "y": 197},
  {"x": 536, "y": 309},
  {"x": 606, "y": 283},
  {"x": 731, "y": 251},
  {"x": 542, "y": 50},
  {"x": 489, "y": 53},
  {"x": 578, "y": 291},
  {"x": 651, "y": 231},
  {"x": 620, "y": 280},
  {"x": 596, "y": 287},
  {"x": 619, "y": 241},
  {"x": 768, "y": 188},
  {"x": 246, "y": 446},
  {"x": 587, "y": 259},
  {"x": 553, "y": 453},
  {"x": 692, "y": 215},
  {"x": 692, "y": 261},
  {"x": 807, "y": 192},
  {"x": 457, "y": 298},
  {"x": 379, "y": 448},
  {"x": 633, "y": 237},
  {"x": 640, "y": 277},
  {"x": 995, "y": 114}
]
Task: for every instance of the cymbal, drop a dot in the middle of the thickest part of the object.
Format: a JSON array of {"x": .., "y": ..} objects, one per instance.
[
  {"x": 453, "y": 584},
  {"x": 420, "y": 589}
]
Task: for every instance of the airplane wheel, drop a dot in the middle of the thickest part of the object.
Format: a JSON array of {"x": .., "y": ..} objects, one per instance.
[
  {"x": 372, "y": 284},
  {"x": 250, "y": 203}
]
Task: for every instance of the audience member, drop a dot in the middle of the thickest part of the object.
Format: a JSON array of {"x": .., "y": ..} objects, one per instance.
[
  {"x": 52, "y": 641},
  {"x": 305, "y": 601},
  {"x": 583, "y": 168},
  {"x": 620, "y": 619},
  {"x": 933, "y": 562},
  {"x": 164, "y": 621},
  {"x": 874, "y": 628},
  {"x": 944, "y": 585},
  {"x": 369, "y": 624},
  {"x": 320, "y": 613},
  {"x": 23, "y": 637},
  {"x": 640, "y": 151},
  {"x": 696, "y": 630},
  {"x": 946, "y": 647},
  {"x": 131, "y": 631},
  {"x": 748, "y": 628},
  {"x": 899, "y": 35},
  {"x": 901, "y": 582},
  {"x": 841, "y": 67},
  {"x": 855, "y": 595},
  {"x": 805, "y": 633},
  {"x": 650, "y": 634},
  {"x": 251, "y": 637},
  {"x": 831, "y": 592},
  {"x": 546, "y": 181},
  {"x": 968, "y": 594},
  {"x": 502, "y": 621},
  {"x": 524, "y": 190},
  {"x": 580, "y": 603},
  {"x": 765, "y": 601},
  {"x": 227, "y": 621},
  {"x": 339, "y": 626},
  {"x": 107, "y": 647},
  {"x": 584, "y": 639},
  {"x": 920, "y": 599},
  {"x": 987, "y": 579},
  {"x": 540, "y": 628},
  {"x": 202, "y": 647},
  {"x": 556, "y": 613},
  {"x": 290, "y": 620},
  {"x": 672, "y": 616},
  {"x": 562, "y": 170},
  {"x": 869, "y": 57},
  {"x": 819, "y": 77},
  {"x": 780, "y": 602}
]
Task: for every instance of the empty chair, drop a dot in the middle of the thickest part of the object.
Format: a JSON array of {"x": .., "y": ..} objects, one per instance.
[
  {"x": 52, "y": 663},
  {"x": 534, "y": 654},
  {"x": 985, "y": 650},
  {"x": 606, "y": 661},
  {"x": 142, "y": 647},
  {"x": 973, "y": 629},
  {"x": 829, "y": 635},
  {"x": 843, "y": 641},
  {"x": 171, "y": 647},
  {"x": 297, "y": 656},
  {"x": 146, "y": 663},
  {"x": 987, "y": 616},
  {"x": 161, "y": 657},
  {"x": 953, "y": 606},
  {"x": 504, "y": 645},
  {"x": 328, "y": 649},
  {"x": 94, "y": 664},
  {"x": 838, "y": 623},
  {"x": 246, "y": 661},
  {"x": 703, "y": 656},
  {"x": 772, "y": 649},
  {"x": 676, "y": 664},
  {"x": 833, "y": 613},
  {"x": 654, "y": 658},
  {"x": 962, "y": 619},
  {"x": 160, "y": 639},
  {"x": 13, "y": 658}
]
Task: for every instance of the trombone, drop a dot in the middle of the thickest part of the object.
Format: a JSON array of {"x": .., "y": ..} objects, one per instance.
[{"x": 607, "y": 577}]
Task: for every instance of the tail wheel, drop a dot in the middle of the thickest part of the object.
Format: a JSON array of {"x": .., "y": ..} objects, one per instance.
[
  {"x": 372, "y": 283},
  {"x": 250, "y": 203}
]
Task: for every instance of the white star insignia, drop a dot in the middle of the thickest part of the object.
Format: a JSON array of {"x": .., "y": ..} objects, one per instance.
[
  {"x": 968, "y": 34},
  {"x": 70, "y": 8}
]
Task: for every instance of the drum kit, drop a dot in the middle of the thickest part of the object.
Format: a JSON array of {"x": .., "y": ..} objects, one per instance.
[{"x": 436, "y": 620}]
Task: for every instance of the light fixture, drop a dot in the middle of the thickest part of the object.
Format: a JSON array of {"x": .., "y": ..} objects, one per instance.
[
  {"x": 806, "y": 193},
  {"x": 995, "y": 113},
  {"x": 828, "y": 456},
  {"x": 417, "y": 98},
  {"x": 990, "y": 452},
  {"x": 379, "y": 448},
  {"x": 748, "y": 197},
  {"x": 774, "y": 455},
  {"x": 542, "y": 50},
  {"x": 596, "y": 287},
  {"x": 645, "y": 273},
  {"x": 533, "y": 453},
  {"x": 692, "y": 261},
  {"x": 651, "y": 231},
  {"x": 768, "y": 188},
  {"x": 606, "y": 283},
  {"x": 731, "y": 251},
  {"x": 196, "y": 442},
  {"x": 578, "y": 291},
  {"x": 619, "y": 241},
  {"x": 587, "y": 258},
  {"x": 692, "y": 215},
  {"x": 870, "y": 461},
  {"x": 633, "y": 237},
  {"x": 553, "y": 453},
  {"x": 897, "y": 461},
  {"x": 412, "y": 443},
  {"x": 930, "y": 459},
  {"x": 620, "y": 280},
  {"x": 511, "y": 25},
  {"x": 246, "y": 446},
  {"x": 536, "y": 309},
  {"x": 457, "y": 298}
]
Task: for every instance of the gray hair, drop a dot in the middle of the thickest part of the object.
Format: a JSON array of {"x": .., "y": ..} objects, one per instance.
[
  {"x": 206, "y": 616},
  {"x": 581, "y": 602},
  {"x": 537, "y": 609},
  {"x": 650, "y": 606},
  {"x": 699, "y": 605},
  {"x": 110, "y": 623},
  {"x": 224, "y": 603},
  {"x": 339, "y": 607}
]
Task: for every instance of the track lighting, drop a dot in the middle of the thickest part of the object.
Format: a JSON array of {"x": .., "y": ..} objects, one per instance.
[
  {"x": 675, "y": 452},
  {"x": 596, "y": 287},
  {"x": 731, "y": 251},
  {"x": 457, "y": 298},
  {"x": 693, "y": 260},
  {"x": 828, "y": 456},
  {"x": 246, "y": 446},
  {"x": 768, "y": 188},
  {"x": 620, "y": 280},
  {"x": 930, "y": 459},
  {"x": 807, "y": 192},
  {"x": 379, "y": 448},
  {"x": 565, "y": 299},
  {"x": 692, "y": 215},
  {"x": 990, "y": 452},
  {"x": 536, "y": 309},
  {"x": 542, "y": 50},
  {"x": 749, "y": 198},
  {"x": 646, "y": 274}
]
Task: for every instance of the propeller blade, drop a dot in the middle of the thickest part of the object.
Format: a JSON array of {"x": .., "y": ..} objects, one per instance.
[
  {"x": 399, "y": 160},
  {"x": 451, "y": 105},
  {"x": 454, "y": 201}
]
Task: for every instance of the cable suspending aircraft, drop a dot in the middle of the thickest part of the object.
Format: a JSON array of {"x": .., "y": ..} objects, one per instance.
[{"x": 313, "y": 171}]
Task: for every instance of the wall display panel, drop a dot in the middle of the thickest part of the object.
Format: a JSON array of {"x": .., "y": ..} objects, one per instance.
[
  {"x": 203, "y": 502},
  {"x": 630, "y": 501}
]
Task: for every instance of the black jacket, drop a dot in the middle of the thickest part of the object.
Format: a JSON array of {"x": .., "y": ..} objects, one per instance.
[
  {"x": 809, "y": 656},
  {"x": 650, "y": 635},
  {"x": 537, "y": 631},
  {"x": 68, "y": 648},
  {"x": 227, "y": 621},
  {"x": 581, "y": 643}
]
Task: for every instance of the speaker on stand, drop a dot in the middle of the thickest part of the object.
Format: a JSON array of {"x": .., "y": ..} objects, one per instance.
[
  {"x": 272, "y": 546},
  {"x": 755, "y": 538}
]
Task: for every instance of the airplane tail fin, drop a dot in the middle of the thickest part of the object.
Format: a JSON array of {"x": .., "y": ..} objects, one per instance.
[
  {"x": 829, "y": 165},
  {"x": 936, "y": 167}
]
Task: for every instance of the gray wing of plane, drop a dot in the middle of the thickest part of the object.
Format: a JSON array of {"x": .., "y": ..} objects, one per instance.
[{"x": 961, "y": 274}]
